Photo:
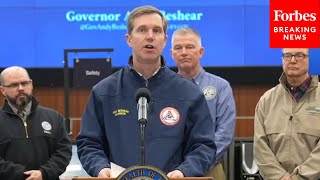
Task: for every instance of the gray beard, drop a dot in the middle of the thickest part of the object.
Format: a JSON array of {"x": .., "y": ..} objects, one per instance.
[{"x": 20, "y": 102}]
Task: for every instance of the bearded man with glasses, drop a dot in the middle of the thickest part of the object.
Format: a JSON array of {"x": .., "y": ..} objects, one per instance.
[
  {"x": 287, "y": 122},
  {"x": 34, "y": 144}
]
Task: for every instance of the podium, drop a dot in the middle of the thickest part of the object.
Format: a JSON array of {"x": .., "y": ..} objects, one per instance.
[
  {"x": 185, "y": 178},
  {"x": 141, "y": 173}
]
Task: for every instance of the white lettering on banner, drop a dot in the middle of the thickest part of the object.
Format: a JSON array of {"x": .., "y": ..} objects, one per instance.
[
  {"x": 92, "y": 73},
  {"x": 78, "y": 17},
  {"x": 90, "y": 21},
  {"x": 296, "y": 16},
  {"x": 294, "y": 29},
  {"x": 182, "y": 16},
  {"x": 295, "y": 37}
]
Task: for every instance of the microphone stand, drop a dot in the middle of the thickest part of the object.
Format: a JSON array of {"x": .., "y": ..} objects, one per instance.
[
  {"x": 142, "y": 123},
  {"x": 143, "y": 96}
]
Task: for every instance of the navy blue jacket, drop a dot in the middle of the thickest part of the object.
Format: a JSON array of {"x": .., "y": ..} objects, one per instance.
[{"x": 179, "y": 133}]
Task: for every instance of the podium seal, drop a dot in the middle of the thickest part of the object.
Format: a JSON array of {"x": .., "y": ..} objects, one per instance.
[{"x": 142, "y": 173}]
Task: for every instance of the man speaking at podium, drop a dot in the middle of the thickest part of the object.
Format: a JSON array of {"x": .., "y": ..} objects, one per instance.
[{"x": 179, "y": 129}]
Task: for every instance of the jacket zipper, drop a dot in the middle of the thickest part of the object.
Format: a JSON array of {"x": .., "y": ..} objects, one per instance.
[
  {"x": 290, "y": 136},
  {"x": 26, "y": 128},
  {"x": 290, "y": 121}
]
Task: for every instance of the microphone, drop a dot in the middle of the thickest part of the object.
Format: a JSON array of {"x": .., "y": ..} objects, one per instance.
[{"x": 143, "y": 96}]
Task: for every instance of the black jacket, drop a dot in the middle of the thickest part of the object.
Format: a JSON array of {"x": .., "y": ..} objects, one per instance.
[{"x": 42, "y": 144}]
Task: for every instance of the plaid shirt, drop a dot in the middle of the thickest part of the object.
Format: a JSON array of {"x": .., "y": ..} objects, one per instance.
[{"x": 299, "y": 91}]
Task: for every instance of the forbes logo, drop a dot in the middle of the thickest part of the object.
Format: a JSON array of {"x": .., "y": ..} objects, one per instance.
[{"x": 296, "y": 16}]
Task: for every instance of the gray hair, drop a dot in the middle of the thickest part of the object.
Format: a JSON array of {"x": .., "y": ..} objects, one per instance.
[{"x": 184, "y": 31}]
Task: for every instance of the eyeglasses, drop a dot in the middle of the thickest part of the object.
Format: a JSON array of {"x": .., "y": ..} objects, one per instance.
[
  {"x": 298, "y": 56},
  {"x": 16, "y": 85}
]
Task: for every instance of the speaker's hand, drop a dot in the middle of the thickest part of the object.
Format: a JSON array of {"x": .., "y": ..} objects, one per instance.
[
  {"x": 175, "y": 174},
  {"x": 105, "y": 173}
]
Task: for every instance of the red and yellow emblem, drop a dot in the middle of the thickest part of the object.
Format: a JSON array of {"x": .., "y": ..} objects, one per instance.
[{"x": 169, "y": 116}]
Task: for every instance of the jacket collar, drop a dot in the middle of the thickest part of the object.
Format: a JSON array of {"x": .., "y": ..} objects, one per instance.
[
  {"x": 130, "y": 65},
  {"x": 313, "y": 84},
  {"x": 163, "y": 62}
]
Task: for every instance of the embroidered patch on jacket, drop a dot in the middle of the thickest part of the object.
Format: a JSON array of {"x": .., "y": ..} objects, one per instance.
[
  {"x": 169, "y": 116},
  {"x": 47, "y": 127},
  {"x": 209, "y": 92},
  {"x": 313, "y": 110},
  {"x": 120, "y": 112}
]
